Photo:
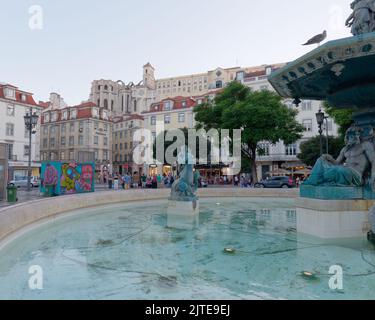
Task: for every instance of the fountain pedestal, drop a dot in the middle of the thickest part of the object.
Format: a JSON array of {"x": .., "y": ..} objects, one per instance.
[
  {"x": 182, "y": 214},
  {"x": 333, "y": 219}
]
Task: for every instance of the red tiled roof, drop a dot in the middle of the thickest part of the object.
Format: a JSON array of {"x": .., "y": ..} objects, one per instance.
[{"x": 29, "y": 96}]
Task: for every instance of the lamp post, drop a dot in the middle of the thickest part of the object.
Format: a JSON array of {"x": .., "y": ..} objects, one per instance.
[
  {"x": 320, "y": 120},
  {"x": 327, "y": 134},
  {"x": 31, "y": 120}
]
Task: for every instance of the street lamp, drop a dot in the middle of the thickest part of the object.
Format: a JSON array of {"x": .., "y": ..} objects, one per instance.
[
  {"x": 31, "y": 120},
  {"x": 320, "y": 116},
  {"x": 327, "y": 134}
]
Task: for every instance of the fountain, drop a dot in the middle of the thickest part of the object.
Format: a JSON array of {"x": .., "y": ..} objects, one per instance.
[
  {"x": 183, "y": 203},
  {"x": 334, "y": 202}
]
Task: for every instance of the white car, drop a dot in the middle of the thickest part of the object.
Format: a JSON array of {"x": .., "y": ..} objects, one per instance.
[{"x": 22, "y": 182}]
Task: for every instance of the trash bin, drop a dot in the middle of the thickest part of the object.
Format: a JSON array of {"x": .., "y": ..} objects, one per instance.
[
  {"x": 50, "y": 191},
  {"x": 12, "y": 194}
]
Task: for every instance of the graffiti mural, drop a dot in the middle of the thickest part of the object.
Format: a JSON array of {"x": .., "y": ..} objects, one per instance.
[{"x": 67, "y": 178}]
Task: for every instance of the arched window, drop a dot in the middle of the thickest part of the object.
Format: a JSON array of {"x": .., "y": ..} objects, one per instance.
[
  {"x": 105, "y": 87},
  {"x": 219, "y": 84},
  {"x": 106, "y": 104}
]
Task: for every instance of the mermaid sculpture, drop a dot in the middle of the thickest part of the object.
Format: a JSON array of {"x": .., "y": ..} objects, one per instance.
[{"x": 184, "y": 188}]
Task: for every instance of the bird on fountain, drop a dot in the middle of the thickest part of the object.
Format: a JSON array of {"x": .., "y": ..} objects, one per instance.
[{"x": 317, "y": 39}]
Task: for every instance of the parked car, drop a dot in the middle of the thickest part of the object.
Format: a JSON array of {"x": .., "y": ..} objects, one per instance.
[
  {"x": 22, "y": 182},
  {"x": 276, "y": 182}
]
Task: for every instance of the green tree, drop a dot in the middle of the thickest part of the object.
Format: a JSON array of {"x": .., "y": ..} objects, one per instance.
[
  {"x": 310, "y": 149},
  {"x": 260, "y": 114},
  {"x": 342, "y": 117}
]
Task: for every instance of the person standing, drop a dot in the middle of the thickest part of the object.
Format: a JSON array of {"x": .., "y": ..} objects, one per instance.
[{"x": 143, "y": 180}]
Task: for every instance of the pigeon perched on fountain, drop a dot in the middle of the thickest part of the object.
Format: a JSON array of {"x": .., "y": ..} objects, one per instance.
[{"x": 317, "y": 39}]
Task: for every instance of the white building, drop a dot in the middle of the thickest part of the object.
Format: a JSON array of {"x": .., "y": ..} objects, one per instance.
[{"x": 14, "y": 105}]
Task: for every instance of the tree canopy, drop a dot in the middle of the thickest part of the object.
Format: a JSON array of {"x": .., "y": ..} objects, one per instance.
[
  {"x": 342, "y": 117},
  {"x": 261, "y": 115},
  {"x": 310, "y": 149}
]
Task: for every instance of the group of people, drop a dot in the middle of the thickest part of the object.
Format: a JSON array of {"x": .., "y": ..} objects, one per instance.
[{"x": 127, "y": 181}]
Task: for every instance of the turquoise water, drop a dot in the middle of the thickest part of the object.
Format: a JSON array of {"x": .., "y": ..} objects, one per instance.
[{"x": 127, "y": 251}]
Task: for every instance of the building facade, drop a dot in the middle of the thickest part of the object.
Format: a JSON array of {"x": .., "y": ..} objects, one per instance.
[
  {"x": 123, "y": 144},
  {"x": 14, "y": 105},
  {"x": 169, "y": 103},
  {"x": 80, "y": 133}
]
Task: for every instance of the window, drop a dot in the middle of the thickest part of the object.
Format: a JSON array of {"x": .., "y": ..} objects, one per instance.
[
  {"x": 80, "y": 140},
  {"x": 219, "y": 84},
  {"x": 105, "y": 127},
  {"x": 96, "y": 140},
  {"x": 81, "y": 125},
  {"x": 54, "y": 116},
  {"x": 328, "y": 123},
  {"x": 52, "y": 142},
  {"x": 52, "y": 130},
  {"x": 73, "y": 114},
  {"x": 291, "y": 150},
  {"x": 62, "y": 155},
  {"x": 63, "y": 141},
  {"x": 112, "y": 104},
  {"x": 120, "y": 146},
  {"x": 45, "y": 143},
  {"x": 63, "y": 128},
  {"x": 45, "y": 130},
  {"x": 96, "y": 154},
  {"x": 10, "y": 151},
  {"x": 65, "y": 115},
  {"x": 52, "y": 156},
  {"x": 72, "y": 126},
  {"x": 71, "y": 155},
  {"x": 96, "y": 125},
  {"x": 135, "y": 105},
  {"x": 26, "y": 150},
  {"x": 71, "y": 141},
  {"x": 307, "y": 124},
  {"x": 9, "y": 129},
  {"x": 306, "y": 106},
  {"x": 10, "y": 93},
  {"x": 153, "y": 120},
  {"x": 181, "y": 117},
  {"x": 167, "y": 105},
  {"x": 105, "y": 141},
  {"x": 264, "y": 149},
  {"x": 105, "y": 154},
  {"x": 167, "y": 119},
  {"x": 125, "y": 146},
  {"x": 10, "y": 110}
]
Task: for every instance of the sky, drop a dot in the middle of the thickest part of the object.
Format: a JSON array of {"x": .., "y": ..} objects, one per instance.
[{"x": 79, "y": 41}]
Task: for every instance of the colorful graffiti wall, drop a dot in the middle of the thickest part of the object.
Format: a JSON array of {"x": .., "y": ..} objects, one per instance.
[{"x": 67, "y": 177}]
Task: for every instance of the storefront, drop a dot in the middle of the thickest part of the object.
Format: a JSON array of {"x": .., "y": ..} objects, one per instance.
[{"x": 20, "y": 169}]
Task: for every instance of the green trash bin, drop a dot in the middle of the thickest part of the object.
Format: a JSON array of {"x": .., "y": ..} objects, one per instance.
[
  {"x": 12, "y": 194},
  {"x": 50, "y": 191}
]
